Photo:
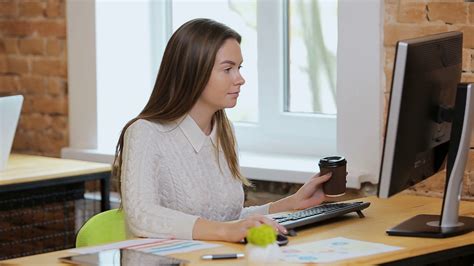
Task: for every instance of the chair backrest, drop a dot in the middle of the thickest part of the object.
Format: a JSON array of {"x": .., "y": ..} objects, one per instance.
[{"x": 105, "y": 227}]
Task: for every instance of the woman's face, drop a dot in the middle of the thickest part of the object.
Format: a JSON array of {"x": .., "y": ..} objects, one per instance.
[{"x": 223, "y": 87}]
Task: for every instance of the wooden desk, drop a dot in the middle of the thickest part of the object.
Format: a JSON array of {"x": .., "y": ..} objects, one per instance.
[
  {"x": 381, "y": 215},
  {"x": 37, "y": 197},
  {"x": 28, "y": 171}
]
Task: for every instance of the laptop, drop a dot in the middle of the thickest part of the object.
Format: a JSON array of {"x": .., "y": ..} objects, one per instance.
[{"x": 10, "y": 107}]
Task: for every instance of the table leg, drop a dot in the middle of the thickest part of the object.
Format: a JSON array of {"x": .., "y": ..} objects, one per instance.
[{"x": 105, "y": 192}]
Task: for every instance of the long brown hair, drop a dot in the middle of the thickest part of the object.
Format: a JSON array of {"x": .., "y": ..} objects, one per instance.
[{"x": 184, "y": 73}]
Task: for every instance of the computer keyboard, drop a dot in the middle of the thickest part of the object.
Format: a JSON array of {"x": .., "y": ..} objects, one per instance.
[{"x": 320, "y": 213}]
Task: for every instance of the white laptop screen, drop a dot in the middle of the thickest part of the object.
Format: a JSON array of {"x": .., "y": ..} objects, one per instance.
[{"x": 10, "y": 107}]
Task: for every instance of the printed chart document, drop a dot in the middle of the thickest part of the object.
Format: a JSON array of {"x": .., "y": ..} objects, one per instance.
[
  {"x": 333, "y": 249},
  {"x": 172, "y": 246},
  {"x": 149, "y": 245}
]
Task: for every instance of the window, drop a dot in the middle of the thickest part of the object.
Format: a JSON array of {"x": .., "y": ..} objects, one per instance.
[
  {"x": 268, "y": 98},
  {"x": 312, "y": 47},
  {"x": 242, "y": 17},
  {"x": 104, "y": 48}
]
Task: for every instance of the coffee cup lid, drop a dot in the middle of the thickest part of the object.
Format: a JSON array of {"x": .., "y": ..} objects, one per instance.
[{"x": 332, "y": 161}]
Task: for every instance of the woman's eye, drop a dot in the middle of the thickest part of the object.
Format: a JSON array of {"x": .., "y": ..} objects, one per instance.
[{"x": 227, "y": 70}]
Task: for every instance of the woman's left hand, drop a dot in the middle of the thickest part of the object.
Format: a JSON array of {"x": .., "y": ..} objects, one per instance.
[{"x": 310, "y": 194}]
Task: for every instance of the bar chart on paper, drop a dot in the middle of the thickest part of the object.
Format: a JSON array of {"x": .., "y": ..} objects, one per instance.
[
  {"x": 154, "y": 246},
  {"x": 172, "y": 246},
  {"x": 330, "y": 250}
]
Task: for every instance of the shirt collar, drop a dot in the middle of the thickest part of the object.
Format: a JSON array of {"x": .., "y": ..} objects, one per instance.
[{"x": 194, "y": 134}]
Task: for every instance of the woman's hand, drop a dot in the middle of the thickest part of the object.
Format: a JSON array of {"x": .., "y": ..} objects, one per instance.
[
  {"x": 309, "y": 195},
  {"x": 235, "y": 231}
]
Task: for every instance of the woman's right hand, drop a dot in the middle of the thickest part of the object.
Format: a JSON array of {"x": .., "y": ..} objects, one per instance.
[{"x": 235, "y": 231}]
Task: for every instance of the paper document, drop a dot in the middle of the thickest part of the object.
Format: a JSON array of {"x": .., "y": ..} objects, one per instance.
[
  {"x": 171, "y": 246},
  {"x": 333, "y": 249},
  {"x": 150, "y": 245}
]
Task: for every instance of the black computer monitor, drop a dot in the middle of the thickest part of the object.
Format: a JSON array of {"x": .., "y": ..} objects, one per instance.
[{"x": 430, "y": 117}]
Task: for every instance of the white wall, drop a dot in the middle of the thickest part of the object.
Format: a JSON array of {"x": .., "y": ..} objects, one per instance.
[
  {"x": 124, "y": 65},
  {"x": 109, "y": 47},
  {"x": 359, "y": 86},
  {"x": 82, "y": 80}
]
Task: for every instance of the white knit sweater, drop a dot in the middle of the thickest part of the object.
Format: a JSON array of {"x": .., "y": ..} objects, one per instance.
[{"x": 170, "y": 177}]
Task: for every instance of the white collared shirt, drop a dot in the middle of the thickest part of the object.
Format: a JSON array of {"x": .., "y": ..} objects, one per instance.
[{"x": 170, "y": 177}]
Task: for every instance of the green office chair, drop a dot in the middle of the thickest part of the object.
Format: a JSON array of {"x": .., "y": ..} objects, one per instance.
[{"x": 105, "y": 227}]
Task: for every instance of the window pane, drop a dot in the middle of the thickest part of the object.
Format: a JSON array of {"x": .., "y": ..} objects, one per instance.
[
  {"x": 242, "y": 17},
  {"x": 312, "y": 55}
]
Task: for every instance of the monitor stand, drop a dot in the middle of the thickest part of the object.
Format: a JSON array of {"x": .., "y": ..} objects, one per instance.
[
  {"x": 449, "y": 223},
  {"x": 425, "y": 225}
]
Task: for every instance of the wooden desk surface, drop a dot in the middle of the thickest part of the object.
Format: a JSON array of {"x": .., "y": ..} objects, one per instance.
[
  {"x": 28, "y": 168},
  {"x": 382, "y": 214}
]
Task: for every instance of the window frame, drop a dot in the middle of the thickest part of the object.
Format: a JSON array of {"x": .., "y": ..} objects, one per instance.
[{"x": 302, "y": 132}]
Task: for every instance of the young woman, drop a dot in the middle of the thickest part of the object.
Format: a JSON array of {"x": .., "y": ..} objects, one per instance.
[{"x": 177, "y": 160}]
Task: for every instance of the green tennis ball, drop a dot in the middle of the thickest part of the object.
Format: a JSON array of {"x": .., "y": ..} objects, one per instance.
[{"x": 262, "y": 235}]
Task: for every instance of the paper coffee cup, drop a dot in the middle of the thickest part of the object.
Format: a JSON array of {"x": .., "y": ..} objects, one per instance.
[{"x": 336, "y": 185}]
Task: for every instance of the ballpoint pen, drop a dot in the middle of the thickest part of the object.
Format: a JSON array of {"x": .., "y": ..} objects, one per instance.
[{"x": 223, "y": 256}]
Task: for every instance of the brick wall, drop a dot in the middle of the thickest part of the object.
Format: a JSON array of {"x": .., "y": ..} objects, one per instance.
[
  {"x": 33, "y": 63},
  {"x": 412, "y": 18}
]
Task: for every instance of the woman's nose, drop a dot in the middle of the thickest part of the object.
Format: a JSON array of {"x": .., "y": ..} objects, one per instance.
[{"x": 240, "y": 79}]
